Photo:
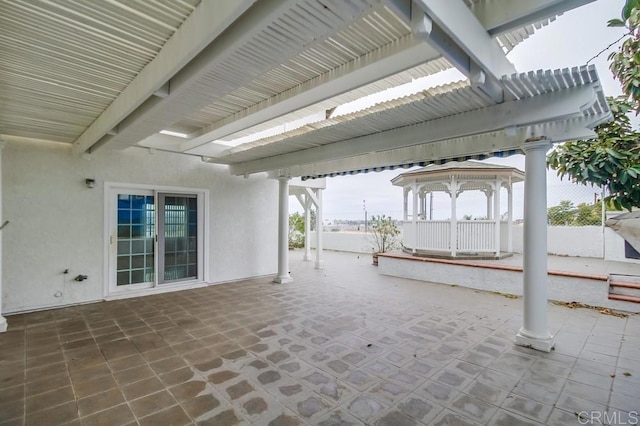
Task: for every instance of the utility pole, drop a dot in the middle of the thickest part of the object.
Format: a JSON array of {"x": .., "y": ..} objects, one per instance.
[{"x": 364, "y": 207}]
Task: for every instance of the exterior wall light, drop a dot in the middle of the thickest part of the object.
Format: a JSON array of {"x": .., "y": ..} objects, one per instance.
[{"x": 90, "y": 183}]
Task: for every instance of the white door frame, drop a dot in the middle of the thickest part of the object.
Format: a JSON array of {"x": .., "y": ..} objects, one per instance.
[{"x": 110, "y": 239}]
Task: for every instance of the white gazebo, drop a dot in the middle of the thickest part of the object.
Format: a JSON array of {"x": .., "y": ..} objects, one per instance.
[{"x": 488, "y": 237}]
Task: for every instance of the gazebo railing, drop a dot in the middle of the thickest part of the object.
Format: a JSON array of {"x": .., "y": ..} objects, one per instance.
[
  {"x": 476, "y": 236},
  {"x": 433, "y": 234}
]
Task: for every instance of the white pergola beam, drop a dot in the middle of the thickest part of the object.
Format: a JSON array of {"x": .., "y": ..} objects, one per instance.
[
  {"x": 501, "y": 16},
  {"x": 455, "y": 28},
  {"x": 480, "y": 144},
  {"x": 390, "y": 59},
  {"x": 550, "y": 107},
  {"x": 312, "y": 196},
  {"x": 206, "y": 22}
]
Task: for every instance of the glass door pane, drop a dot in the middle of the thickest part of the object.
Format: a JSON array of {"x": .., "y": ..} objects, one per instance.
[
  {"x": 135, "y": 239},
  {"x": 177, "y": 237}
]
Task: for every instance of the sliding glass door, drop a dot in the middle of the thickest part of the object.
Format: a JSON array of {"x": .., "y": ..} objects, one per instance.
[
  {"x": 177, "y": 237},
  {"x": 154, "y": 238},
  {"x": 135, "y": 263}
]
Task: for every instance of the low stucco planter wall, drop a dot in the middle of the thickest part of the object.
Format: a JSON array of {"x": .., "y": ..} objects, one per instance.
[{"x": 562, "y": 286}]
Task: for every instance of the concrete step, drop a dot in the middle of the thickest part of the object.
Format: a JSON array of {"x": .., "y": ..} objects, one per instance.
[
  {"x": 624, "y": 298},
  {"x": 624, "y": 284},
  {"x": 624, "y": 287}
]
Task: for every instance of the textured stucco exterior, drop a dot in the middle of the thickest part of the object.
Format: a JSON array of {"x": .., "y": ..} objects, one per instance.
[{"x": 57, "y": 223}]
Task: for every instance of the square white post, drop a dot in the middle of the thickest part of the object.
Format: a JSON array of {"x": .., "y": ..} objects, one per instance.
[
  {"x": 496, "y": 215},
  {"x": 534, "y": 333},
  {"x": 319, "y": 222},
  {"x": 454, "y": 216},
  {"x": 414, "y": 218},
  {"x": 307, "y": 227},
  {"x": 510, "y": 217}
]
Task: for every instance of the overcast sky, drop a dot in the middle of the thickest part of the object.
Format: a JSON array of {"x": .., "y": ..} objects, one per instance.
[{"x": 572, "y": 40}]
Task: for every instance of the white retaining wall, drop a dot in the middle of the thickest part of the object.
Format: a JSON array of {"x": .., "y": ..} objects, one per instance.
[
  {"x": 356, "y": 242},
  {"x": 560, "y": 288}
]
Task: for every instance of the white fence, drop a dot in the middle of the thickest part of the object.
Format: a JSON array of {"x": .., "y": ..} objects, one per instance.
[
  {"x": 583, "y": 241},
  {"x": 435, "y": 235}
]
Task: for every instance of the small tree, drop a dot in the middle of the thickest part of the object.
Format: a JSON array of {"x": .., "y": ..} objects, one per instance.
[
  {"x": 384, "y": 233},
  {"x": 588, "y": 214},
  {"x": 611, "y": 160},
  {"x": 296, "y": 230},
  {"x": 562, "y": 214}
]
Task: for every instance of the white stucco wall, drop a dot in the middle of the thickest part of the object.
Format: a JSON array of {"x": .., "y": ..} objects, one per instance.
[
  {"x": 580, "y": 241},
  {"x": 56, "y": 222},
  {"x": 356, "y": 242}
]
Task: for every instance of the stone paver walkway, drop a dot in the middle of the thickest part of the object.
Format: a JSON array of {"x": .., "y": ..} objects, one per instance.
[{"x": 337, "y": 346}]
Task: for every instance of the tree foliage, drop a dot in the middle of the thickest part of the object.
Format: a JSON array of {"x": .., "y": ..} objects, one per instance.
[
  {"x": 384, "y": 233},
  {"x": 296, "y": 230},
  {"x": 562, "y": 214},
  {"x": 567, "y": 214},
  {"x": 611, "y": 160},
  {"x": 625, "y": 63}
]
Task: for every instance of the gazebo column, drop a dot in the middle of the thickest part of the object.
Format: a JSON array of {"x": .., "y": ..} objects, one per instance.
[
  {"x": 489, "y": 193},
  {"x": 307, "y": 227},
  {"x": 534, "y": 332},
  {"x": 283, "y": 232},
  {"x": 496, "y": 215},
  {"x": 453, "y": 190},
  {"x": 319, "y": 222},
  {"x": 414, "y": 218},
  {"x": 405, "y": 204},
  {"x": 422, "y": 206}
]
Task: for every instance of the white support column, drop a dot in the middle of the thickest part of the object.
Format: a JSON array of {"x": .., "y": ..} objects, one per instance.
[
  {"x": 283, "y": 232},
  {"x": 489, "y": 194},
  {"x": 414, "y": 218},
  {"x": 496, "y": 215},
  {"x": 534, "y": 332},
  {"x": 454, "y": 216},
  {"x": 307, "y": 227},
  {"x": 405, "y": 204},
  {"x": 319, "y": 222},
  {"x": 422, "y": 206},
  {"x": 510, "y": 217},
  {"x": 3, "y": 321},
  {"x": 430, "y": 205}
]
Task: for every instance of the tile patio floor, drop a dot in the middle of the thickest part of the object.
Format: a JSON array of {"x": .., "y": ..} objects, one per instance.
[{"x": 339, "y": 346}]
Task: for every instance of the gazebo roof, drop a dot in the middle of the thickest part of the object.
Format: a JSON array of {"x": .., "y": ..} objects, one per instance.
[{"x": 469, "y": 170}]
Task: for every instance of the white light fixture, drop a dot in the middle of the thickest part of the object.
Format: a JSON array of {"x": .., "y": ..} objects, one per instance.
[{"x": 176, "y": 134}]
